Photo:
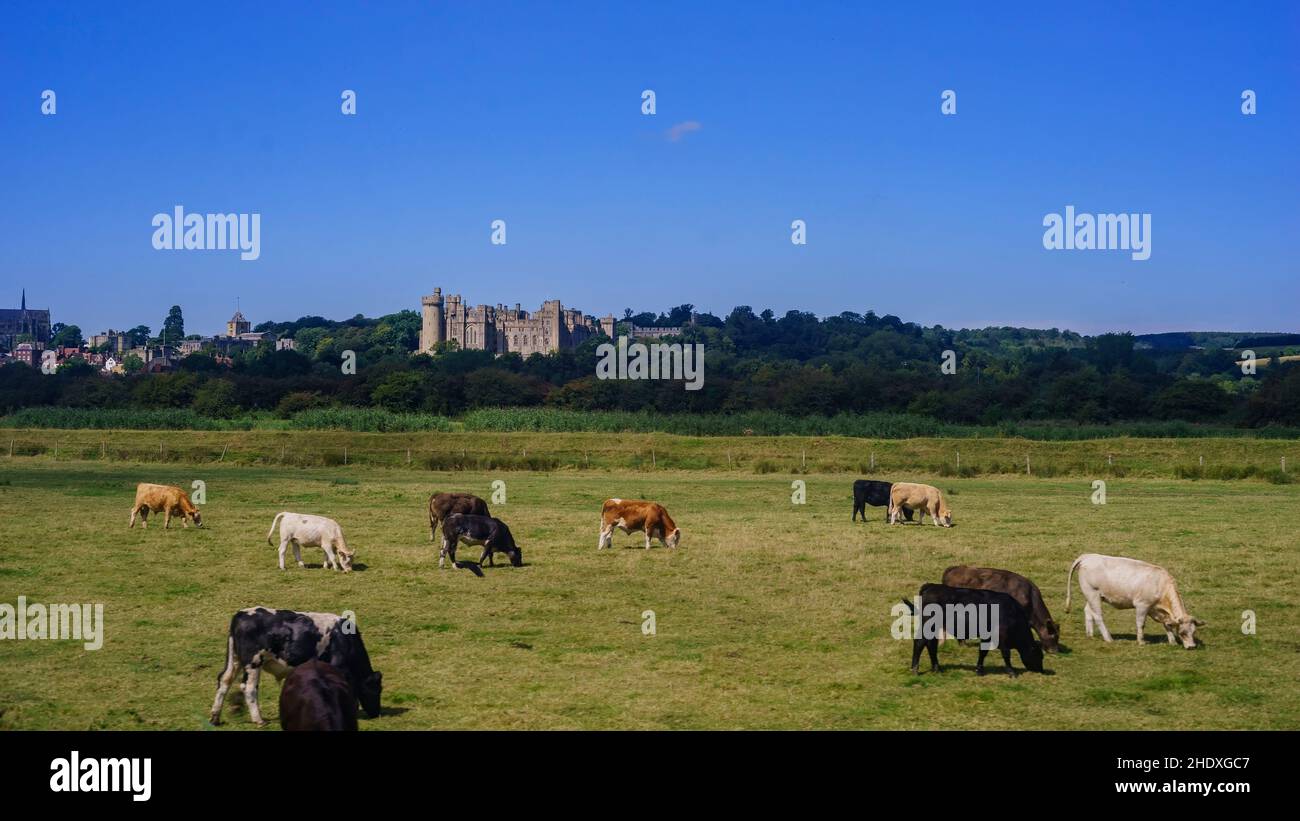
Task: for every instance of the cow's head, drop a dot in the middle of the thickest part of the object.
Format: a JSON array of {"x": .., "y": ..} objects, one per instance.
[
  {"x": 516, "y": 556},
  {"x": 371, "y": 687},
  {"x": 198, "y": 518},
  {"x": 1186, "y": 630},
  {"x": 345, "y": 558},
  {"x": 674, "y": 537},
  {"x": 1032, "y": 655},
  {"x": 1051, "y": 636}
]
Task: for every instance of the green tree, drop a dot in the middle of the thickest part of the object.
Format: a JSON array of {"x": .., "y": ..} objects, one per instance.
[
  {"x": 132, "y": 363},
  {"x": 66, "y": 336},
  {"x": 173, "y": 329}
]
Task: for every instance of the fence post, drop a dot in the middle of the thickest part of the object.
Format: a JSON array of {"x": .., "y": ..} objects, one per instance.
[
  {"x": 804, "y": 458},
  {"x": 223, "y": 453},
  {"x": 959, "y": 461},
  {"x": 11, "y": 448},
  {"x": 345, "y": 454},
  {"x": 653, "y": 463},
  {"x": 1027, "y": 471},
  {"x": 408, "y": 456},
  {"x": 728, "y": 460},
  {"x": 873, "y": 460}
]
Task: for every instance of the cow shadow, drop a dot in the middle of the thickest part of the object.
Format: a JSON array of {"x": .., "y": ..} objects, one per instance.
[
  {"x": 385, "y": 711},
  {"x": 1131, "y": 638},
  {"x": 990, "y": 669},
  {"x": 359, "y": 567}
]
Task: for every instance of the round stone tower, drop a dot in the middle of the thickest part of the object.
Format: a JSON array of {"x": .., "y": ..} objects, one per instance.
[{"x": 434, "y": 327}]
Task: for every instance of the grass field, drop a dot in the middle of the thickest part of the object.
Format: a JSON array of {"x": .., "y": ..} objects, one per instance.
[{"x": 770, "y": 614}]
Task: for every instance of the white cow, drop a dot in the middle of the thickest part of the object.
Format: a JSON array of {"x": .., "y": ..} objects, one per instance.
[
  {"x": 1129, "y": 583},
  {"x": 302, "y": 529}
]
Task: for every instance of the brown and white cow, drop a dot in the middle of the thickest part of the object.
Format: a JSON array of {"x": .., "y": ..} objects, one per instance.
[
  {"x": 630, "y": 515},
  {"x": 1129, "y": 583},
  {"x": 172, "y": 501},
  {"x": 925, "y": 499}
]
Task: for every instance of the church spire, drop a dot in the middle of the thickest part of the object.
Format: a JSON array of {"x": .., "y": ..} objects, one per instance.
[{"x": 24, "y": 299}]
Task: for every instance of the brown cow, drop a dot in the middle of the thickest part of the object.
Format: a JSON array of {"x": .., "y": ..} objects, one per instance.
[
  {"x": 172, "y": 501},
  {"x": 316, "y": 696},
  {"x": 632, "y": 515},
  {"x": 1024, "y": 591},
  {"x": 442, "y": 505},
  {"x": 923, "y": 498}
]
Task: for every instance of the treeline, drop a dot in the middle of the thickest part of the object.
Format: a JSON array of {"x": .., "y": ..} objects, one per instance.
[{"x": 797, "y": 366}]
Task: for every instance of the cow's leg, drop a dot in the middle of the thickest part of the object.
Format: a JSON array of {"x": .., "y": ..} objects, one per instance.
[
  {"x": 227, "y": 677},
  {"x": 167, "y": 518},
  {"x": 1006, "y": 657},
  {"x": 487, "y": 556},
  {"x": 134, "y": 511},
  {"x": 933, "y": 646},
  {"x": 184, "y": 523},
  {"x": 1094, "y": 602},
  {"x": 917, "y": 644},
  {"x": 979, "y": 665},
  {"x": 606, "y": 537},
  {"x": 284, "y": 545},
  {"x": 448, "y": 549},
  {"x": 647, "y": 538},
  {"x": 250, "y": 695},
  {"x": 330, "y": 560},
  {"x": 1141, "y": 621},
  {"x": 144, "y": 517},
  {"x": 1087, "y": 619},
  {"x": 1170, "y": 635}
]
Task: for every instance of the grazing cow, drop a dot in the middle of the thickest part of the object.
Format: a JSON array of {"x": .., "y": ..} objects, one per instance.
[
  {"x": 304, "y": 530},
  {"x": 279, "y": 640},
  {"x": 442, "y": 505},
  {"x": 1024, "y": 591},
  {"x": 632, "y": 515},
  {"x": 964, "y": 605},
  {"x": 316, "y": 696},
  {"x": 1128, "y": 583},
  {"x": 172, "y": 501},
  {"x": 478, "y": 530},
  {"x": 870, "y": 492},
  {"x": 925, "y": 498}
]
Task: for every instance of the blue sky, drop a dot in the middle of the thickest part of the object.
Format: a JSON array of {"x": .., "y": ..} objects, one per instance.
[{"x": 531, "y": 113}]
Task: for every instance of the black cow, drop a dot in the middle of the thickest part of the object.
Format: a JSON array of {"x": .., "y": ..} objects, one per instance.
[
  {"x": 279, "y": 640},
  {"x": 478, "y": 530},
  {"x": 1024, "y": 591},
  {"x": 870, "y": 492},
  {"x": 316, "y": 696},
  {"x": 961, "y": 606}
]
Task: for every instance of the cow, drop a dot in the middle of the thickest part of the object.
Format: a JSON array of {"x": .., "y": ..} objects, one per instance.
[
  {"x": 925, "y": 498},
  {"x": 632, "y": 515},
  {"x": 172, "y": 501},
  {"x": 870, "y": 492},
  {"x": 316, "y": 696},
  {"x": 1024, "y": 591},
  {"x": 280, "y": 640},
  {"x": 964, "y": 606},
  {"x": 304, "y": 530},
  {"x": 1129, "y": 583},
  {"x": 461, "y": 528},
  {"x": 442, "y": 505}
]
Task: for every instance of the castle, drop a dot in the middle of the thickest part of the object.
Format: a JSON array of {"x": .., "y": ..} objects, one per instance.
[{"x": 505, "y": 330}]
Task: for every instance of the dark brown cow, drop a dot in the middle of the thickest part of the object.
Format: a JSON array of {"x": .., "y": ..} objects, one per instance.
[
  {"x": 316, "y": 696},
  {"x": 442, "y": 505},
  {"x": 1017, "y": 587}
]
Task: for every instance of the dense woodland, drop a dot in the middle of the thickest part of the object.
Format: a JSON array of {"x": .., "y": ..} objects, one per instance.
[{"x": 796, "y": 364}]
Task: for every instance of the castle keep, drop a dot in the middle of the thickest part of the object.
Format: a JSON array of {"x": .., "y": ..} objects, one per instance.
[{"x": 505, "y": 330}]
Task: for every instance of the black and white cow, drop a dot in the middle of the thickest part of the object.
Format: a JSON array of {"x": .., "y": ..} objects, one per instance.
[
  {"x": 279, "y": 640},
  {"x": 461, "y": 528}
]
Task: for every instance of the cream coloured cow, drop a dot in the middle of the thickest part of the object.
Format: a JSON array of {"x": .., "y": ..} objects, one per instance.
[
  {"x": 303, "y": 529},
  {"x": 921, "y": 498},
  {"x": 1129, "y": 583}
]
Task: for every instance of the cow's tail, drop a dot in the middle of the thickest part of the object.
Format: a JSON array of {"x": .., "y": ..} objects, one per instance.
[
  {"x": 1068, "y": 579},
  {"x": 274, "y": 522}
]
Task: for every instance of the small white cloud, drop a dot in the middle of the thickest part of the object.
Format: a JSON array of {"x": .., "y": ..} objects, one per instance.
[{"x": 682, "y": 129}]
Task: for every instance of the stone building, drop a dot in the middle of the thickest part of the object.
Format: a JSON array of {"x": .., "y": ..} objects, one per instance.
[
  {"x": 506, "y": 330},
  {"x": 16, "y": 322},
  {"x": 238, "y": 326}
]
